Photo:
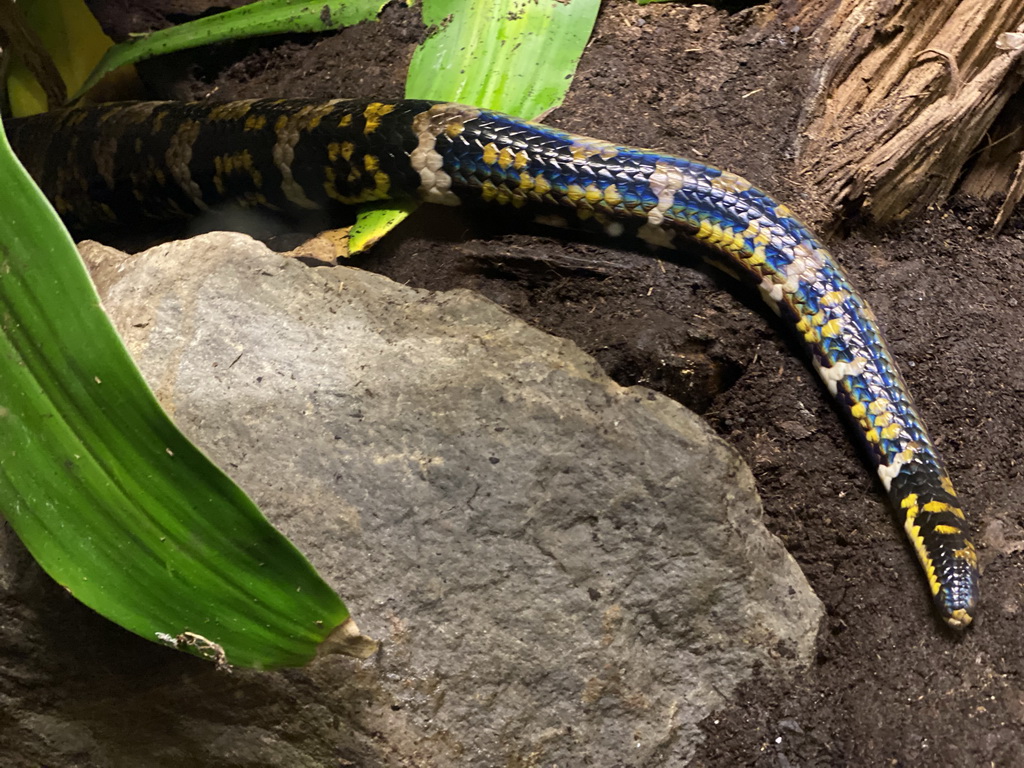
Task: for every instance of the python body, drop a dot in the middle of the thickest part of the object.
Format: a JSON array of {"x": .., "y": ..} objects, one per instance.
[{"x": 121, "y": 162}]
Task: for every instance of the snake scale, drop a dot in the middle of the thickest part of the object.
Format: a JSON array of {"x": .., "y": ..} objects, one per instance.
[{"x": 120, "y": 163}]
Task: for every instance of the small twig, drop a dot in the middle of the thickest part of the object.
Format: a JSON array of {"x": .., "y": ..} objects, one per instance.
[{"x": 954, "y": 68}]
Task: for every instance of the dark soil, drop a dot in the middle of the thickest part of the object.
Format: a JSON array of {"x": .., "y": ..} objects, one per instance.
[{"x": 890, "y": 685}]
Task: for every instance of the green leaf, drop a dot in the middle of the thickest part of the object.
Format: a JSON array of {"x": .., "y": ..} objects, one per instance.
[
  {"x": 375, "y": 220},
  {"x": 108, "y": 496},
  {"x": 516, "y": 56},
  {"x": 266, "y": 17}
]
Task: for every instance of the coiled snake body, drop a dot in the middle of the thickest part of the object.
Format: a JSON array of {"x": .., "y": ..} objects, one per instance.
[{"x": 119, "y": 162}]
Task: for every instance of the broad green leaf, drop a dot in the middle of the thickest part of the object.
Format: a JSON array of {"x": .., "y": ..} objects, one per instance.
[
  {"x": 266, "y": 17},
  {"x": 515, "y": 56},
  {"x": 108, "y": 496}
]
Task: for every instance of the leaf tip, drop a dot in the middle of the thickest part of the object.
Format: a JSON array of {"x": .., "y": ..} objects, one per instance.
[{"x": 348, "y": 640}]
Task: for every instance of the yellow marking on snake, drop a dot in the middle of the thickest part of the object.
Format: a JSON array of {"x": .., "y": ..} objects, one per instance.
[
  {"x": 593, "y": 194},
  {"x": 505, "y": 158},
  {"x": 803, "y": 327},
  {"x": 225, "y": 165},
  {"x": 612, "y": 196},
  {"x": 832, "y": 328},
  {"x": 914, "y": 534},
  {"x": 373, "y": 113},
  {"x": 255, "y": 122},
  {"x": 833, "y": 298},
  {"x": 756, "y": 258},
  {"x": 757, "y": 234},
  {"x": 574, "y": 192},
  {"x": 726, "y": 239},
  {"x": 968, "y": 554},
  {"x": 884, "y": 419},
  {"x": 880, "y": 405},
  {"x": 336, "y": 149},
  {"x": 710, "y": 231},
  {"x": 157, "y": 124},
  {"x": 331, "y": 187},
  {"x": 942, "y": 506},
  {"x": 890, "y": 431},
  {"x": 230, "y": 110},
  {"x": 947, "y": 485}
]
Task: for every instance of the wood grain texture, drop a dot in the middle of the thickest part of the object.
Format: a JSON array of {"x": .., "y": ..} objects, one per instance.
[{"x": 907, "y": 93}]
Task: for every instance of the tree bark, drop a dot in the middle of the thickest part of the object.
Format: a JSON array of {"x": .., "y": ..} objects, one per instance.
[{"x": 909, "y": 93}]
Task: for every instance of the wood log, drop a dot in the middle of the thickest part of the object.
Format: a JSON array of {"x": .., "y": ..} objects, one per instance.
[{"x": 909, "y": 90}]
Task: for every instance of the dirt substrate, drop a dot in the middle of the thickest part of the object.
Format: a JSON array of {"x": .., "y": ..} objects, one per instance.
[{"x": 890, "y": 686}]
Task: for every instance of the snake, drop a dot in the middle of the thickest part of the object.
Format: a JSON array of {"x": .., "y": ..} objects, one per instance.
[{"x": 112, "y": 164}]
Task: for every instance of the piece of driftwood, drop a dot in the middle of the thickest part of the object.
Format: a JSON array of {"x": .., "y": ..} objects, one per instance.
[{"x": 908, "y": 94}]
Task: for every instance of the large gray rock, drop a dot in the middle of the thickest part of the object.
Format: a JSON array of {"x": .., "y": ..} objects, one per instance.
[{"x": 561, "y": 571}]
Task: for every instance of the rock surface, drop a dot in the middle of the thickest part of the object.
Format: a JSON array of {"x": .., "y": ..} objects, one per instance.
[{"x": 561, "y": 571}]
